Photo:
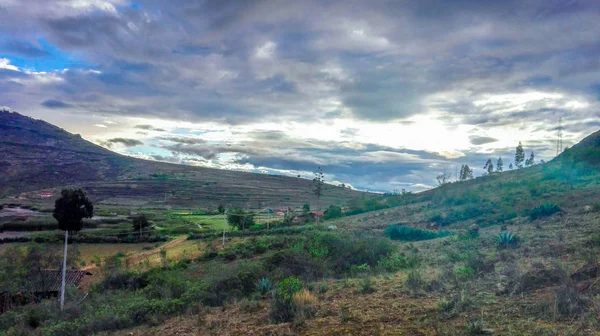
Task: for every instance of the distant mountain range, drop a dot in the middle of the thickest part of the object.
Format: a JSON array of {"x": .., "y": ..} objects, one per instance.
[{"x": 36, "y": 156}]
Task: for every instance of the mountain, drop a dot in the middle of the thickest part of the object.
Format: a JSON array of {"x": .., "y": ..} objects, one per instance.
[{"x": 36, "y": 155}]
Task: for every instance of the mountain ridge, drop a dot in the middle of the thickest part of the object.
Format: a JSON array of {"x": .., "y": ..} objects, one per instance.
[{"x": 36, "y": 155}]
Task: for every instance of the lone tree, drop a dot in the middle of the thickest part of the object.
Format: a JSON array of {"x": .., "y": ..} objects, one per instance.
[
  {"x": 510, "y": 166},
  {"x": 238, "y": 218},
  {"x": 306, "y": 208},
  {"x": 499, "y": 165},
  {"x": 466, "y": 173},
  {"x": 70, "y": 210},
  {"x": 531, "y": 161},
  {"x": 489, "y": 167},
  {"x": 140, "y": 223},
  {"x": 443, "y": 178},
  {"x": 519, "y": 156},
  {"x": 221, "y": 209},
  {"x": 318, "y": 182}
]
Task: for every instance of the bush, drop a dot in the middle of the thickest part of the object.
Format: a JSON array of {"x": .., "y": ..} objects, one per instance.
[
  {"x": 406, "y": 233},
  {"x": 366, "y": 286},
  {"x": 288, "y": 287},
  {"x": 333, "y": 211},
  {"x": 414, "y": 281},
  {"x": 281, "y": 310},
  {"x": 305, "y": 304},
  {"x": 544, "y": 210},
  {"x": 507, "y": 239}
]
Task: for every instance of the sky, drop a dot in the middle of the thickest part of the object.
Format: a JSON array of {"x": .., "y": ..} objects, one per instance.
[{"x": 382, "y": 95}]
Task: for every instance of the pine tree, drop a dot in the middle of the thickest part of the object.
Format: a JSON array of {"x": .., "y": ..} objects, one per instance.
[
  {"x": 510, "y": 166},
  {"x": 530, "y": 161},
  {"x": 499, "y": 165},
  {"x": 519, "y": 156},
  {"x": 489, "y": 166}
]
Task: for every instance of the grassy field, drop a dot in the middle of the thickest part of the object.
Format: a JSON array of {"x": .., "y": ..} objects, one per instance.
[{"x": 508, "y": 254}]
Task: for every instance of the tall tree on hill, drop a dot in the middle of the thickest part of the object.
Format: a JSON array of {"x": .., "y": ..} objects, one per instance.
[
  {"x": 443, "y": 178},
  {"x": 510, "y": 166},
  {"x": 70, "y": 210},
  {"x": 466, "y": 173},
  {"x": 499, "y": 165},
  {"x": 531, "y": 161},
  {"x": 519, "y": 156},
  {"x": 318, "y": 182},
  {"x": 489, "y": 167}
]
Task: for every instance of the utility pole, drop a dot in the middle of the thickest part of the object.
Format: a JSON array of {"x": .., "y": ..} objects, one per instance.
[
  {"x": 225, "y": 218},
  {"x": 64, "y": 272},
  {"x": 559, "y": 137}
]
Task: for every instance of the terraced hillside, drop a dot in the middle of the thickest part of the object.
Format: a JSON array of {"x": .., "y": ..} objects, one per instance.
[{"x": 37, "y": 159}]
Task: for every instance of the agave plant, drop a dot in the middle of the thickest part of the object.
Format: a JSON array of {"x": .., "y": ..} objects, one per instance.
[
  {"x": 507, "y": 239},
  {"x": 263, "y": 286}
]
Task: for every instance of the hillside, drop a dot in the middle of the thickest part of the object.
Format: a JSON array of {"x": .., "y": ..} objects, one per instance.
[{"x": 36, "y": 156}]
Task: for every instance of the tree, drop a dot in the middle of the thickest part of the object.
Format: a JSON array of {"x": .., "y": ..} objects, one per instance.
[
  {"x": 318, "y": 182},
  {"x": 333, "y": 211},
  {"x": 519, "y": 156},
  {"x": 306, "y": 208},
  {"x": 443, "y": 178},
  {"x": 531, "y": 161},
  {"x": 221, "y": 209},
  {"x": 466, "y": 173},
  {"x": 140, "y": 223},
  {"x": 240, "y": 219},
  {"x": 499, "y": 165},
  {"x": 510, "y": 166},
  {"x": 489, "y": 166},
  {"x": 70, "y": 210}
]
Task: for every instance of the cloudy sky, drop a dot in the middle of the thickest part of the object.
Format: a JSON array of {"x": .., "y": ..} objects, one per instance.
[{"x": 381, "y": 94}]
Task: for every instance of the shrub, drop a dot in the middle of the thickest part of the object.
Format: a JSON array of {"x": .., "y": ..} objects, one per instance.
[
  {"x": 305, "y": 304},
  {"x": 544, "y": 210},
  {"x": 333, "y": 211},
  {"x": 474, "y": 231},
  {"x": 507, "y": 239},
  {"x": 281, "y": 310},
  {"x": 474, "y": 327},
  {"x": 393, "y": 263},
  {"x": 406, "y": 233},
  {"x": 288, "y": 287},
  {"x": 323, "y": 288},
  {"x": 414, "y": 281},
  {"x": 366, "y": 286},
  {"x": 263, "y": 286}
]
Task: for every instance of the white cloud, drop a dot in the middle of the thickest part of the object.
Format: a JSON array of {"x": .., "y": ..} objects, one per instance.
[{"x": 5, "y": 64}]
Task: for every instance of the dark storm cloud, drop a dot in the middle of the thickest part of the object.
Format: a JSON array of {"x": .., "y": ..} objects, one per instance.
[
  {"x": 150, "y": 128},
  {"x": 124, "y": 141},
  {"x": 482, "y": 140},
  {"x": 55, "y": 104}
]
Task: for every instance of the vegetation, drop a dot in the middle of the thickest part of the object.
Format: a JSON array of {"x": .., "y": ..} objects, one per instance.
[
  {"x": 544, "y": 210},
  {"x": 239, "y": 219},
  {"x": 406, "y": 233},
  {"x": 333, "y": 211},
  {"x": 71, "y": 208}
]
